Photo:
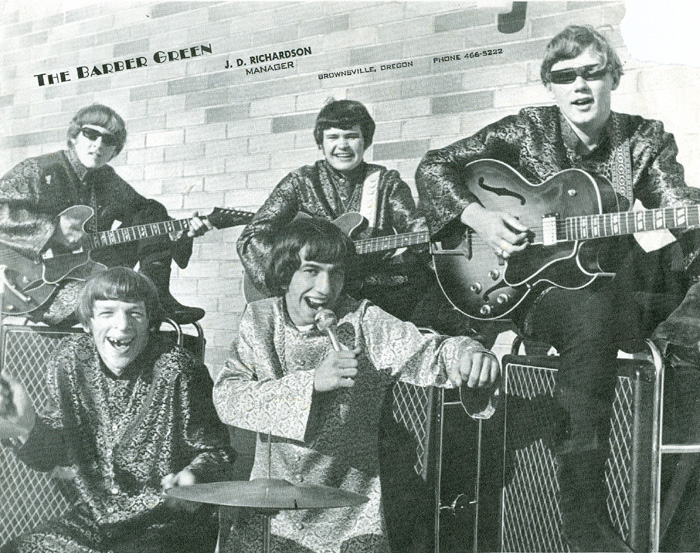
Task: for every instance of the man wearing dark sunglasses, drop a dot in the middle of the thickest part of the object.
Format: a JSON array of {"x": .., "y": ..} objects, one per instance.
[
  {"x": 580, "y": 70},
  {"x": 34, "y": 194}
]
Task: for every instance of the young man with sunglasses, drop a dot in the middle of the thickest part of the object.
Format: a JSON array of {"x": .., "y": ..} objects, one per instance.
[
  {"x": 34, "y": 194},
  {"x": 638, "y": 157}
]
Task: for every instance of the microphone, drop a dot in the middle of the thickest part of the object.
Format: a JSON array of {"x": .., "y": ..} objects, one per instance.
[{"x": 326, "y": 321}]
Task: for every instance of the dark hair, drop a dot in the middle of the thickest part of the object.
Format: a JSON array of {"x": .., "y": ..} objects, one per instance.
[
  {"x": 344, "y": 114},
  {"x": 573, "y": 40},
  {"x": 101, "y": 116},
  {"x": 120, "y": 284},
  {"x": 324, "y": 243}
]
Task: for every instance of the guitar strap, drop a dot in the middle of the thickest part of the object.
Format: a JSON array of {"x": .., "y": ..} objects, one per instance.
[
  {"x": 622, "y": 161},
  {"x": 368, "y": 201},
  {"x": 91, "y": 224}
]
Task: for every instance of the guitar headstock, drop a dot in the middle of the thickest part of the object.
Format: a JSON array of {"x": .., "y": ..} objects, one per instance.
[{"x": 222, "y": 217}]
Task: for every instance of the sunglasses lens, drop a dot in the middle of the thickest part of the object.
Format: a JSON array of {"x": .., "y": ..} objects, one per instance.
[
  {"x": 568, "y": 76},
  {"x": 92, "y": 134},
  {"x": 594, "y": 74},
  {"x": 565, "y": 76}
]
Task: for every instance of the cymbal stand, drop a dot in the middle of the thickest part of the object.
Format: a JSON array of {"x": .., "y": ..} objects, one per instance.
[{"x": 268, "y": 513}]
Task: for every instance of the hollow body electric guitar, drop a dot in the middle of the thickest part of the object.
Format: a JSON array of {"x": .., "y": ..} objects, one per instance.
[
  {"x": 29, "y": 282},
  {"x": 352, "y": 224},
  {"x": 566, "y": 215}
]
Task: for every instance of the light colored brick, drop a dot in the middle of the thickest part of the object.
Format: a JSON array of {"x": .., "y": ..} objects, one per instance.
[
  {"x": 205, "y": 166},
  {"x": 350, "y": 38},
  {"x": 293, "y": 159},
  {"x": 183, "y": 185},
  {"x": 143, "y": 156},
  {"x": 439, "y": 44},
  {"x": 184, "y": 151},
  {"x": 521, "y": 96},
  {"x": 248, "y": 163},
  {"x": 185, "y": 118},
  {"x": 203, "y": 133},
  {"x": 165, "y": 105},
  {"x": 377, "y": 15},
  {"x": 229, "y": 147},
  {"x": 248, "y": 127},
  {"x": 402, "y": 109},
  {"x": 202, "y": 200},
  {"x": 207, "y": 98},
  {"x": 270, "y": 143},
  {"x": 130, "y": 173},
  {"x": 272, "y": 106},
  {"x": 163, "y": 170},
  {"x": 224, "y": 182},
  {"x": 165, "y": 138},
  {"x": 265, "y": 179},
  {"x": 430, "y": 126}
]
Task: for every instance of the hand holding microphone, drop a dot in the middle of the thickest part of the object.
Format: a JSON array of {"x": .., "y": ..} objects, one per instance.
[{"x": 339, "y": 368}]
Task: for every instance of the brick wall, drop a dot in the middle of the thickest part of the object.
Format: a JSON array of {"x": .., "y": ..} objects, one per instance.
[{"x": 201, "y": 135}]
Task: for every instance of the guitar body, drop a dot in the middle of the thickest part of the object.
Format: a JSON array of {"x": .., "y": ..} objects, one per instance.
[
  {"x": 485, "y": 286},
  {"x": 29, "y": 283},
  {"x": 24, "y": 287}
]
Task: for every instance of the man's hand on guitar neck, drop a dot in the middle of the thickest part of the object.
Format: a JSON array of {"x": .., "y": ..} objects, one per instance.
[
  {"x": 500, "y": 230},
  {"x": 198, "y": 226}
]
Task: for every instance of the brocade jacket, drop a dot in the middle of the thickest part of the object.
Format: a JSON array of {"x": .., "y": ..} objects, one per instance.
[
  {"x": 321, "y": 191},
  {"x": 38, "y": 189},
  {"x": 331, "y": 438},
  {"x": 119, "y": 436},
  {"x": 538, "y": 143}
]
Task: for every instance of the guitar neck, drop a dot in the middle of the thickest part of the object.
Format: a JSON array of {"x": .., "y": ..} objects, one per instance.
[
  {"x": 627, "y": 222},
  {"x": 130, "y": 234},
  {"x": 391, "y": 242}
]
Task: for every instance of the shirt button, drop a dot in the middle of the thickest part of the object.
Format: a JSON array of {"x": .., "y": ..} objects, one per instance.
[
  {"x": 300, "y": 478},
  {"x": 110, "y": 510},
  {"x": 114, "y": 490},
  {"x": 300, "y": 526}
]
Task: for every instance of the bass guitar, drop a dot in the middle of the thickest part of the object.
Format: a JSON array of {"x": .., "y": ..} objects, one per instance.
[
  {"x": 29, "y": 282},
  {"x": 566, "y": 215},
  {"x": 352, "y": 224}
]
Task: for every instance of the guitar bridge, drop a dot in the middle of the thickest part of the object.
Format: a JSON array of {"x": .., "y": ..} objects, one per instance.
[{"x": 549, "y": 229}]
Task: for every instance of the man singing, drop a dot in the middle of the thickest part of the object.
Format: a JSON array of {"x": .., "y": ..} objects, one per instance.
[
  {"x": 322, "y": 405},
  {"x": 638, "y": 156}
]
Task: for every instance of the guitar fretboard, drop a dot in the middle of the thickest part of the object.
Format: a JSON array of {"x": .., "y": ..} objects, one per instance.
[
  {"x": 391, "y": 242},
  {"x": 628, "y": 222},
  {"x": 130, "y": 234}
]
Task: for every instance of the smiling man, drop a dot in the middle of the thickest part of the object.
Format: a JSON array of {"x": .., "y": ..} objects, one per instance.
[
  {"x": 343, "y": 182},
  {"x": 638, "y": 157},
  {"x": 340, "y": 183},
  {"x": 34, "y": 194},
  {"x": 322, "y": 405},
  {"x": 131, "y": 415}
]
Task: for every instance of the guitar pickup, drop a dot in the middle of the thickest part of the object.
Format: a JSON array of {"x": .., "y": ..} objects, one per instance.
[{"x": 549, "y": 229}]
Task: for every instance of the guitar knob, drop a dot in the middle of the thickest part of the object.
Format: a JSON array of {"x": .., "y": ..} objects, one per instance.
[
  {"x": 475, "y": 287},
  {"x": 10, "y": 307},
  {"x": 503, "y": 298},
  {"x": 485, "y": 309},
  {"x": 495, "y": 274}
]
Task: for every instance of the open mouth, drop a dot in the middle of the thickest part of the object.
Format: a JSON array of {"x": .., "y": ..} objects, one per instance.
[
  {"x": 582, "y": 102},
  {"x": 120, "y": 344},
  {"x": 314, "y": 303}
]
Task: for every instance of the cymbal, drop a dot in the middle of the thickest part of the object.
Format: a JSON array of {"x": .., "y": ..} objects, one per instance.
[{"x": 267, "y": 493}]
